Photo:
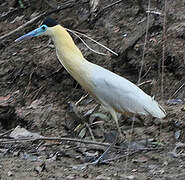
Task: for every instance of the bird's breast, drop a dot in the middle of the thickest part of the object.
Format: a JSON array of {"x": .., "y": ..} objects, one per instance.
[{"x": 80, "y": 69}]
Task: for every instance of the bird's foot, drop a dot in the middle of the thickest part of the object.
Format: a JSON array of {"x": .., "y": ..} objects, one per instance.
[{"x": 99, "y": 160}]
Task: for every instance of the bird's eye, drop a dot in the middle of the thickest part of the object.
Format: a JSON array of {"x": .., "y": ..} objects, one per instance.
[{"x": 43, "y": 27}]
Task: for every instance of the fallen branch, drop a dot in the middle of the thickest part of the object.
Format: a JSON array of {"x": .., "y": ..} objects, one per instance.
[
  {"x": 62, "y": 7},
  {"x": 23, "y": 26},
  {"x": 5, "y": 133},
  {"x": 53, "y": 139}
]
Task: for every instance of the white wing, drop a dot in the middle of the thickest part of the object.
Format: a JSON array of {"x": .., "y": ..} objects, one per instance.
[{"x": 122, "y": 95}]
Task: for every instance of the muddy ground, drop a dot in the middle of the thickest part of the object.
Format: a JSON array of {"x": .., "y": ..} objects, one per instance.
[{"x": 37, "y": 94}]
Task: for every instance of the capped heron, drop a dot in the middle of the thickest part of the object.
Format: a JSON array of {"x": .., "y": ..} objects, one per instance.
[{"x": 114, "y": 92}]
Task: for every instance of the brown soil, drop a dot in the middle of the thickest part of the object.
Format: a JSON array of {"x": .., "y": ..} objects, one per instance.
[{"x": 35, "y": 91}]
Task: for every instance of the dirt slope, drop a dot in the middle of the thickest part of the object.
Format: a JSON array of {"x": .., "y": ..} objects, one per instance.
[{"x": 35, "y": 90}]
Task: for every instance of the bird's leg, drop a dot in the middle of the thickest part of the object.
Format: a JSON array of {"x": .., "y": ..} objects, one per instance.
[
  {"x": 115, "y": 117},
  {"x": 106, "y": 151}
]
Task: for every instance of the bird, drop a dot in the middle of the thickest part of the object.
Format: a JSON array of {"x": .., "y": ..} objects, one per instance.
[{"x": 114, "y": 92}]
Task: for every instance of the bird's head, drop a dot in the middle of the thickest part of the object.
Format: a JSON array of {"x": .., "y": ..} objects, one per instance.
[
  {"x": 64, "y": 44},
  {"x": 44, "y": 29}
]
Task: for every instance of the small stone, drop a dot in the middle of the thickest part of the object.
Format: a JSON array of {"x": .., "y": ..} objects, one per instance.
[
  {"x": 10, "y": 173},
  {"x": 16, "y": 153}
]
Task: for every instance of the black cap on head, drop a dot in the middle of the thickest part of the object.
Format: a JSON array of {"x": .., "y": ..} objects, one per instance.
[{"x": 49, "y": 22}]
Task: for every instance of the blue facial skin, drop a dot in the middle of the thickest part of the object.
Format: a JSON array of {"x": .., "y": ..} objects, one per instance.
[{"x": 34, "y": 33}]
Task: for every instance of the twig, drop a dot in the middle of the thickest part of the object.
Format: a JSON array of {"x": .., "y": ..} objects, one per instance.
[
  {"x": 146, "y": 72},
  {"x": 144, "y": 47},
  {"x": 7, "y": 132},
  {"x": 81, "y": 99},
  {"x": 178, "y": 90},
  {"x": 143, "y": 83},
  {"x": 164, "y": 50},
  {"x": 105, "y": 152},
  {"x": 93, "y": 41},
  {"x": 86, "y": 43}
]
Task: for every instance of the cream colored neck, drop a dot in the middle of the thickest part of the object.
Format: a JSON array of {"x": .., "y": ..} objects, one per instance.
[{"x": 71, "y": 57}]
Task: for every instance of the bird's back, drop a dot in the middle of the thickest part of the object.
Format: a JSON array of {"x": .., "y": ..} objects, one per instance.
[{"x": 122, "y": 95}]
